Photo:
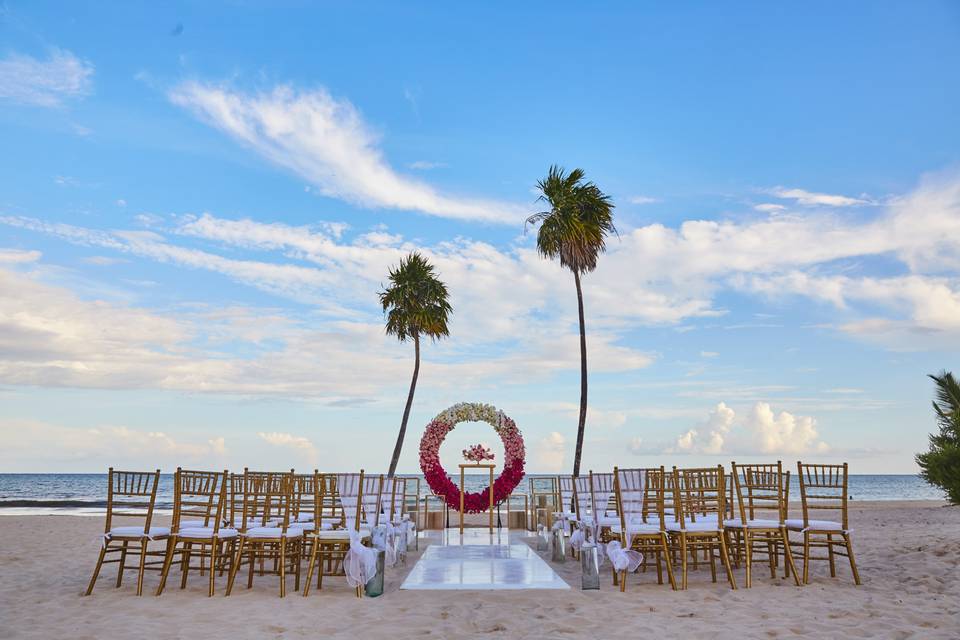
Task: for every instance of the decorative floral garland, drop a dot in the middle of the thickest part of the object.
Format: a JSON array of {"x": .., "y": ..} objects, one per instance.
[{"x": 438, "y": 479}]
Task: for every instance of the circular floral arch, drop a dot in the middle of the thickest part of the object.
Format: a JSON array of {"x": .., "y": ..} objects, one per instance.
[{"x": 437, "y": 477}]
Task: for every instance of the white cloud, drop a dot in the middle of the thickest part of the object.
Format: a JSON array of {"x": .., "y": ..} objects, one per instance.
[
  {"x": 710, "y": 437},
  {"x": 783, "y": 433},
  {"x": 550, "y": 453},
  {"x": 761, "y": 432},
  {"x": 709, "y": 354},
  {"x": 44, "y": 83},
  {"x": 289, "y": 441},
  {"x": 326, "y": 141},
  {"x": 18, "y": 256},
  {"x": 121, "y": 202},
  {"x": 811, "y": 198},
  {"x": 768, "y": 207},
  {"x": 426, "y": 165},
  {"x": 85, "y": 448},
  {"x": 642, "y": 200}
]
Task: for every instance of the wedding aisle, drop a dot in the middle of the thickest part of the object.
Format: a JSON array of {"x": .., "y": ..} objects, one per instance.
[{"x": 480, "y": 560}]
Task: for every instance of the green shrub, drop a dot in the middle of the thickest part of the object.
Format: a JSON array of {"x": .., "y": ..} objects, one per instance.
[{"x": 940, "y": 466}]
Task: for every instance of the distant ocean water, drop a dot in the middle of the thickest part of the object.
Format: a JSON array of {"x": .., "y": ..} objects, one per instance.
[{"x": 86, "y": 494}]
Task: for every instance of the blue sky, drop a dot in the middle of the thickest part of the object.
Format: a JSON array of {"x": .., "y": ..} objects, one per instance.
[{"x": 200, "y": 202}]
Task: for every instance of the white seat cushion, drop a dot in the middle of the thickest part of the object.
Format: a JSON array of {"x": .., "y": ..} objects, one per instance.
[
  {"x": 756, "y": 523},
  {"x": 273, "y": 532},
  {"x": 815, "y": 525},
  {"x": 609, "y": 521},
  {"x": 700, "y": 526},
  {"x": 207, "y": 532},
  {"x": 305, "y": 517},
  {"x": 340, "y": 534},
  {"x": 638, "y": 528},
  {"x": 137, "y": 532},
  {"x": 568, "y": 515}
]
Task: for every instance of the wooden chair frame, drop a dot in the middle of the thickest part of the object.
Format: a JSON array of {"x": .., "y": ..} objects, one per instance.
[
  {"x": 823, "y": 487},
  {"x": 632, "y": 488},
  {"x": 700, "y": 493},
  {"x": 130, "y": 494},
  {"x": 762, "y": 488},
  {"x": 197, "y": 531},
  {"x": 267, "y": 498}
]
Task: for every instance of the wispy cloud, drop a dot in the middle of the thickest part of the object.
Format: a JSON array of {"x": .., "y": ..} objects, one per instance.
[
  {"x": 642, "y": 200},
  {"x": 45, "y": 83},
  {"x": 325, "y": 140},
  {"x": 812, "y": 198},
  {"x": 426, "y": 165}
]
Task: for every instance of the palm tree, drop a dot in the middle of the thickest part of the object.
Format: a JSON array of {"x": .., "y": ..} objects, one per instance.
[
  {"x": 574, "y": 229},
  {"x": 940, "y": 466},
  {"x": 415, "y": 305}
]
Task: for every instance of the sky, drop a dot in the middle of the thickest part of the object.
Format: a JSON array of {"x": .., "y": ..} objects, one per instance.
[{"x": 200, "y": 201}]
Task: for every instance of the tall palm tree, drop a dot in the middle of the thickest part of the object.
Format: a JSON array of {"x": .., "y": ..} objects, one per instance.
[
  {"x": 940, "y": 465},
  {"x": 574, "y": 230},
  {"x": 415, "y": 305}
]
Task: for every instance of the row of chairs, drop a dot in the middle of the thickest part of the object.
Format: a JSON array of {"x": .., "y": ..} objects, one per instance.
[
  {"x": 673, "y": 516},
  {"x": 267, "y": 522}
]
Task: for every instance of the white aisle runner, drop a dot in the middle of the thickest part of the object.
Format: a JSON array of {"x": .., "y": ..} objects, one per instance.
[{"x": 479, "y": 560}]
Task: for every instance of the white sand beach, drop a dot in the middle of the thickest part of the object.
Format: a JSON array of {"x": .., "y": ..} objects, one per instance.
[{"x": 908, "y": 554}]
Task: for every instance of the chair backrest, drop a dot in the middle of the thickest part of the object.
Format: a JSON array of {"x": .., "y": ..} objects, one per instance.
[
  {"x": 131, "y": 495},
  {"x": 349, "y": 491},
  {"x": 565, "y": 492},
  {"x": 700, "y": 495},
  {"x": 372, "y": 498},
  {"x": 583, "y": 498},
  {"x": 628, "y": 490},
  {"x": 233, "y": 509},
  {"x": 823, "y": 487},
  {"x": 199, "y": 496},
  {"x": 266, "y": 499},
  {"x": 760, "y": 488},
  {"x": 601, "y": 490},
  {"x": 304, "y": 505}
]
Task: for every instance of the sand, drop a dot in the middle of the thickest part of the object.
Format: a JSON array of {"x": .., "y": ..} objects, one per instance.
[{"x": 908, "y": 555}]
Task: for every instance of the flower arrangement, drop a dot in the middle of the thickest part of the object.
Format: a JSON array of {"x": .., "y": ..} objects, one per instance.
[
  {"x": 477, "y": 453},
  {"x": 438, "y": 479}
]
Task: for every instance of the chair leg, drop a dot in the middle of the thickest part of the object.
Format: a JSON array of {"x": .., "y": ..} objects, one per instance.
[
  {"x": 185, "y": 564},
  {"x": 726, "y": 563},
  {"x": 96, "y": 571},
  {"x": 669, "y": 563},
  {"x": 713, "y": 563},
  {"x": 310, "y": 568},
  {"x": 214, "y": 549},
  {"x": 833, "y": 564},
  {"x": 788, "y": 565},
  {"x": 748, "y": 557},
  {"x": 235, "y": 567},
  {"x": 283, "y": 567},
  {"x": 167, "y": 562},
  {"x": 143, "y": 561},
  {"x": 806, "y": 557},
  {"x": 123, "y": 561},
  {"x": 853, "y": 563},
  {"x": 296, "y": 572},
  {"x": 683, "y": 561},
  {"x": 771, "y": 555}
]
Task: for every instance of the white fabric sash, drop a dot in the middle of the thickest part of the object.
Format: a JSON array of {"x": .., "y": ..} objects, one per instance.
[
  {"x": 623, "y": 559},
  {"x": 360, "y": 562}
]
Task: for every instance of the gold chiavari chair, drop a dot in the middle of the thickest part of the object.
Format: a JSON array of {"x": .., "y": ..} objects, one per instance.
[
  {"x": 330, "y": 546},
  {"x": 197, "y": 531},
  {"x": 823, "y": 489},
  {"x": 566, "y": 511},
  {"x": 542, "y": 492},
  {"x": 699, "y": 500},
  {"x": 601, "y": 494},
  {"x": 643, "y": 525},
  {"x": 266, "y": 501},
  {"x": 131, "y": 496},
  {"x": 761, "y": 522}
]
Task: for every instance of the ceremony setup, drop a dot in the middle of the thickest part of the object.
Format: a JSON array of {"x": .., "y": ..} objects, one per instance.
[{"x": 277, "y": 526}]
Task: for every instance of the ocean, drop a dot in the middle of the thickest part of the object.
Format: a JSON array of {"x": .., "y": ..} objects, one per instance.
[{"x": 86, "y": 493}]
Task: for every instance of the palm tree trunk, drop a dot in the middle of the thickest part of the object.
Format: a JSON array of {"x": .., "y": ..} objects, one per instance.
[
  {"x": 583, "y": 379},
  {"x": 406, "y": 411}
]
